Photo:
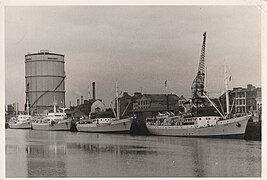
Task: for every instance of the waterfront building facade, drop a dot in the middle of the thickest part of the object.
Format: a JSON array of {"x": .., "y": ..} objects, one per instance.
[
  {"x": 151, "y": 104},
  {"x": 156, "y": 102},
  {"x": 244, "y": 100}
]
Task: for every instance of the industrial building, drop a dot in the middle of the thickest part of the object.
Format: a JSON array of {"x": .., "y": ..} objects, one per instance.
[
  {"x": 151, "y": 104},
  {"x": 45, "y": 80}
]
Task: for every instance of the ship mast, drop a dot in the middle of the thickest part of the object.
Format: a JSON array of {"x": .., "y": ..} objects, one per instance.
[
  {"x": 198, "y": 84},
  {"x": 27, "y": 107},
  {"x": 117, "y": 101},
  {"x": 16, "y": 108},
  {"x": 54, "y": 103},
  {"x": 226, "y": 90}
]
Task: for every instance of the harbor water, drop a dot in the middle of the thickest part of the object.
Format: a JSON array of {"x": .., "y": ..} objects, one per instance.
[{"x": 31, "y": 153}]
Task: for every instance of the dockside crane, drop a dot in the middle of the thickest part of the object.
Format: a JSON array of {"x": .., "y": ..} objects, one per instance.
[
  {"x": 197, "y": 88},
  {"x": 199, "y": 95}
]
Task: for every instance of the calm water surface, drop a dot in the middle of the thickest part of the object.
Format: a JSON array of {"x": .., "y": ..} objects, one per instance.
[{"x": 31, "y": 153}]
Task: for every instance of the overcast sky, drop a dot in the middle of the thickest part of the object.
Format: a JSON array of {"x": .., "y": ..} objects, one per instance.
[{"x": 138, "y": 46}]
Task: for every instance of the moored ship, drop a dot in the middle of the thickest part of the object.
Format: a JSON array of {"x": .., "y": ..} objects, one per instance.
[
  {"x": 106, "y": 124},
  {"x": 212, "y": 123},
  {"x": 54, "y": 121},
  {"x": 22, "y": 121},
  {"x": 198, "y": 126}
]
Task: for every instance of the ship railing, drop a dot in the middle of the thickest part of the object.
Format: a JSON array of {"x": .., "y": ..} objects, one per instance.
[{"x": 230, "y": 116}]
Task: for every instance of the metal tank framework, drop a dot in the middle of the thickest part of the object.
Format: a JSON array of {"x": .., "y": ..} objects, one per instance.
[{"x": 45, "y": 80}]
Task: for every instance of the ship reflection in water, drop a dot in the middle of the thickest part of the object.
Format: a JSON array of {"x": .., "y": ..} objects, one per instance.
[{"x": 32, "y": 153}]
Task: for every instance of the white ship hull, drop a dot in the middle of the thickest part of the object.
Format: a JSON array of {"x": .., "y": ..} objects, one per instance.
[
  {"x": 119, "y": 126},
  {"x": 24, "y": 125},
  {"x": 62, "y": 126},
  {"x": 234, "y": 127}
]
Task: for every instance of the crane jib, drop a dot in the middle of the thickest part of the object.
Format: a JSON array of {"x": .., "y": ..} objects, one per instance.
[{"x": 198, "y": 83}]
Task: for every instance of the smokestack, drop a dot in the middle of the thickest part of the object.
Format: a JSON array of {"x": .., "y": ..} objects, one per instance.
[
  {"x": 93, "y": 84},
  {"x": 78, "y": 102},
  {"x": 81, "y": 99}
]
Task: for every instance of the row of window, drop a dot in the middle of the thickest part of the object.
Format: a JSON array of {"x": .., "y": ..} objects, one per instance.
[
  {"x": 241, "y": 109},
  {"x": 144, "y": 102},
  {"x": 240, "y": 95},
  {"x": 240, "y": 102}
]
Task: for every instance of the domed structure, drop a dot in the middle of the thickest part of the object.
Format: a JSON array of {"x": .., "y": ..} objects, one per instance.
[{"x": 97, "y": 106}]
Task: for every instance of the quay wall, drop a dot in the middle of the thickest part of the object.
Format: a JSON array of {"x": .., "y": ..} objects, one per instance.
[
  {"x": 139, "y": 124},
  {"x": 253, "y": 131}
]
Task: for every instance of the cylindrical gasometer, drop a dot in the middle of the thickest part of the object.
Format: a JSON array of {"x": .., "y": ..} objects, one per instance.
[{"x": 45, "y": 80}]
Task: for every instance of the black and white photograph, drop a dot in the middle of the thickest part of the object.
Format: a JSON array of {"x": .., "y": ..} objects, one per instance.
[{"x": 133, "y": 90}]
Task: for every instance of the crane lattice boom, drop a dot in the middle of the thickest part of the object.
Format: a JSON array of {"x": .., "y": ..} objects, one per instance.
[{"x": 198, "y": 83}]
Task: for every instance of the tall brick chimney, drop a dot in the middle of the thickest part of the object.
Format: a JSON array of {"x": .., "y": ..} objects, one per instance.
[{"x": 93, "y": 85}]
